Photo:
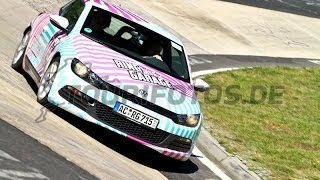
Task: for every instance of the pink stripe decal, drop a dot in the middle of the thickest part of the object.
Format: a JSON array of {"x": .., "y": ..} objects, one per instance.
[
  {"x": 112, "y": 9},
  {"x": 136, "y": 16},
  {"x": 97, "y": 1},
  {"x": 126, "y": 15},
  {"x": 164, "y": 151},
  {"x": 135, "y": 139}
]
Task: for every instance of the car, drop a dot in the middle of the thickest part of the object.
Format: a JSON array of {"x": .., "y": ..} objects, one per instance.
[{"x": 113, "y": 68}]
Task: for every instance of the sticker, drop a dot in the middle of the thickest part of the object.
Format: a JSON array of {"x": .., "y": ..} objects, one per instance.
[
  {"x": 136, "y": 73},
  {"x": 88, "y": 30}
]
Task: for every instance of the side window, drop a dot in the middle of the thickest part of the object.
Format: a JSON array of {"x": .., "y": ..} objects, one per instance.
[
  {"x": 115, "y": 26},
  {"x": 177, "y": 62},
  {"x": 72, "y": 12}
]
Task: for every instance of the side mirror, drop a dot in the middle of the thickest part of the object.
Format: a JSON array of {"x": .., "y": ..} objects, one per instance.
[
  {"x": 60, "y": 22},
  {"x": 200, "y": 85}
]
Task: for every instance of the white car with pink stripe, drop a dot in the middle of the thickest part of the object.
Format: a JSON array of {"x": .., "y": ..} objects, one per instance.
[{"x": 116, "y": 69}]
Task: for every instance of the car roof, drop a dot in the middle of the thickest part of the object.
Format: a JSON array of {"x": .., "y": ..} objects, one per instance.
[{"x": 135, "y": 18}]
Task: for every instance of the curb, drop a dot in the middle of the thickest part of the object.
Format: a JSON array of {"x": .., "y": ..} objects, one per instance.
[{"x": 230, "y": 164}]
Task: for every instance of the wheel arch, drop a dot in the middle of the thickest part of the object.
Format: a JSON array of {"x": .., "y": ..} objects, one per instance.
[
  {"x": 49, "y": 60},
  {"x": 26, "y": 30},
  {"x": 56, "y": 55}
]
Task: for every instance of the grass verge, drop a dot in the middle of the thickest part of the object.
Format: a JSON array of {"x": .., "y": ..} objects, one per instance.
[{"x": 268, "y": 116}]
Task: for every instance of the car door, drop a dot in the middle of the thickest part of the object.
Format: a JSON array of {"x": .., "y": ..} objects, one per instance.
[
  {"x": 46, "y": 36},
  {"x": 40, "y": 37}
]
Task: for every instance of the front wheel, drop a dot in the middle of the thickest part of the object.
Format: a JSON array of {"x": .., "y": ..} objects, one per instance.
[
  {"x": 46, "y": 82},
  {"x": 20, "y": 52}
]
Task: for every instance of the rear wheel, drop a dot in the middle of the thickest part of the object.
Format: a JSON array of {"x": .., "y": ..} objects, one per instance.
[
  {"x": 46, "y": 82},
  {"x": 20, "y": 52}
]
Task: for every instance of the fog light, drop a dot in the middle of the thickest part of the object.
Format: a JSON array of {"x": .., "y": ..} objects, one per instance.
[
  {"x": 185, "y": 140},
  {"x": 75, "y": 91}
]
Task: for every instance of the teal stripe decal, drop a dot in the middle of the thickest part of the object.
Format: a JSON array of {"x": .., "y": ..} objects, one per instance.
[
  {"x": 167, "y": 126},
  {"x": 43, "y": 38},
  {"x": 182, "y": 132},
  {"x": 51, "y": 28},
  {"x": 178, "y": 131},
  {"x": 48, "y": 35}
]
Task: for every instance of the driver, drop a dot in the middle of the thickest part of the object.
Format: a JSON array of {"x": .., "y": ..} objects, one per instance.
[
  {"x": 152, "y": 49},
  {"x": 99, "y": 23}
]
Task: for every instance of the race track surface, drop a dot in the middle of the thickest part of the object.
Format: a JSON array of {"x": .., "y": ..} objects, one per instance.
[
  {"x": 309, "y": 8},
  {"x": 77, "y": 147},
  {"x": 22, "y": 157}
]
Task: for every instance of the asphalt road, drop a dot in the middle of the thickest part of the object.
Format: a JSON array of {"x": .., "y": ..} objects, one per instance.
[
  {"x": 170, "y": 168},
  {"x": 202, "y": 62},
  {"x": 309, "y": 8},
  {"x": 22, "y": 157},
  {"x": 25, "y": 158}
]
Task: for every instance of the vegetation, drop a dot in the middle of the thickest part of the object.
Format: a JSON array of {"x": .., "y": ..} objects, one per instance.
[{"x": 275, "y": 124}]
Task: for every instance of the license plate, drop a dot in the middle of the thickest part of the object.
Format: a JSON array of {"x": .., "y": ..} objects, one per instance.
[{"x": 136, "y": 116}]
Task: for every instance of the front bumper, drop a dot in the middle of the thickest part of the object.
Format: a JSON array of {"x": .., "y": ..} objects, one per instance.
[{"x": 90, "y": 107}]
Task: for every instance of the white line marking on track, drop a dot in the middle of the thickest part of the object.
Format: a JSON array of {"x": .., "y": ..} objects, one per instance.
[
  {"x": 210, "y": 164},
  {"x": 315, "y": 61},
  {"x": 19, "y": 175},
  {"x": 198, "y": 60},
  {"x": 7, "y": 156},
  {"x": 201, "y": 73}
]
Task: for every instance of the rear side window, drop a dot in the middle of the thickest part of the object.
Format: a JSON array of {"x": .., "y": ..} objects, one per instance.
[{"x": 72, "y": 12}]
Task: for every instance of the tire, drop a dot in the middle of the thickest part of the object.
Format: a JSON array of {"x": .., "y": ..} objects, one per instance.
[
  {"x": 20, "y": 52},
  {"x": 47, "y": 81}
]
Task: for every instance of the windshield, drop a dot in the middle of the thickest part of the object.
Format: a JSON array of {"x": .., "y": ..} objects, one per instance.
[{"x": 136, "y": 41}]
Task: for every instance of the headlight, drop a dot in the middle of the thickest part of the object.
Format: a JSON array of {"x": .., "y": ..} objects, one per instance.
[
  {"x": 80, "y": 69},
  {"x": 86, "y": 74},
  {"x": 191, "y": 120}
]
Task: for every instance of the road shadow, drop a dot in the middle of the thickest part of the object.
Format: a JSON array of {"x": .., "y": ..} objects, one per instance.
[
  {"x": 128, "y": 148},
  {"x": 309, "y": 8},
  {"x": 29, "y": 80}
]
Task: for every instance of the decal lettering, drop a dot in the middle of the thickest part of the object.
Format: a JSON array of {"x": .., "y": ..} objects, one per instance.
[
  {"x": 141, "y": 77},
  {"x": 136, "y": 73},
  {"x": 148, "y": 78},
  {"x": 127, "y": 65},
  {"x": 133, "y": 75},
  {"x": 119, "y": 64}
]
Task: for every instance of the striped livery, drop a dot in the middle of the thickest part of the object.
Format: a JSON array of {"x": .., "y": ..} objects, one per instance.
[{"x": 47, "y": 41}]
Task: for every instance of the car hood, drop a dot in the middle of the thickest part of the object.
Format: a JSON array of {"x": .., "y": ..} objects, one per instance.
[{"x": 131, "y": 75}]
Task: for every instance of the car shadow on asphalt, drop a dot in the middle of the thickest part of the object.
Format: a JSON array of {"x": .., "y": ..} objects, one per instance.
[
  {"x": 128, "y": 148},
  {"x": 122, "y": 145}
]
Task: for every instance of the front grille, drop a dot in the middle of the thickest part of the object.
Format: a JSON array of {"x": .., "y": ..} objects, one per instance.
[{"x": 107, "y": 116}]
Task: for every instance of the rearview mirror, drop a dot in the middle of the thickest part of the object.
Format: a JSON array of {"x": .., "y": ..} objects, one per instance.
[
  {"x": 200, "y": 85},
  {"x": 60, "y": 22}
]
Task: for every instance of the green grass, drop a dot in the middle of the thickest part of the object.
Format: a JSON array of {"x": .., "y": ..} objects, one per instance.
[{"x": 278, "y": 141}]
